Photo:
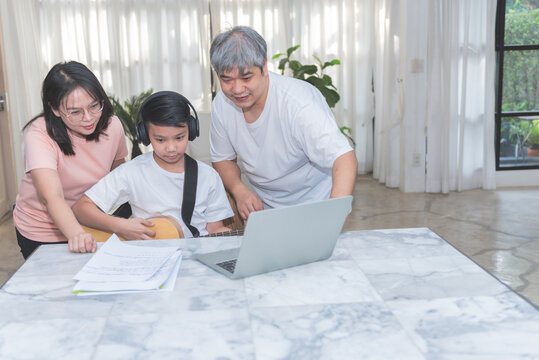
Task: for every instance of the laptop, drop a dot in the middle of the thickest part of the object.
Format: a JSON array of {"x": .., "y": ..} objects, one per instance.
[{"x": 279, "y": 238}]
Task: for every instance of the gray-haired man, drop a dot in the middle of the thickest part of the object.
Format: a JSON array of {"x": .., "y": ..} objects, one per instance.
[{"x": 281, "y": 128}]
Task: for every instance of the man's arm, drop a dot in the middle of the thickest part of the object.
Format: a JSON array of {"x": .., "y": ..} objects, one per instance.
[
  {"x": 89, "y": 214},
  {"x": 344, "y": 175},
  {"x": 246, "y": 200}
]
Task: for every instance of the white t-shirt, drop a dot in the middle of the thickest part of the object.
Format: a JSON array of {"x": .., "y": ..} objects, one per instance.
[
  {"x": 288, "y": 152},
  {"x": 153, "y": 191}
]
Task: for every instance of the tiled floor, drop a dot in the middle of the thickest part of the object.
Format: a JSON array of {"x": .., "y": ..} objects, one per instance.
[{"x": 498, "y": 229}]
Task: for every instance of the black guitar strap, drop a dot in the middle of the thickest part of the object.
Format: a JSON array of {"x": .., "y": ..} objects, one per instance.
[{"x": 189, "y": 193}]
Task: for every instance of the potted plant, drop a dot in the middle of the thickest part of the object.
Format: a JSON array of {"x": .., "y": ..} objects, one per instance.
[
  {"x": 533, "y": 139},
  {"x": 127, "y": 113},
  {"x": 314, "y": 74}
]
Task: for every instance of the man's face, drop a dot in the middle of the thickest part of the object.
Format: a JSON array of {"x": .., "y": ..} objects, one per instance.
[{"x": 247, "y": 90}]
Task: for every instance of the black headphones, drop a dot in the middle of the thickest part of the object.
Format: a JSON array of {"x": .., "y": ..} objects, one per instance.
[{"x": 192, "y": 122}]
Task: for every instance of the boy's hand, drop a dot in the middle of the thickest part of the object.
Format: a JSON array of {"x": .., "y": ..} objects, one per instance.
[
  {"x": 82, "y": 243},
  {"x": 136, "y": 229}
]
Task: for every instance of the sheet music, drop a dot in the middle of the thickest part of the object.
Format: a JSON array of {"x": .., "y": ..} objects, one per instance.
[{"x": 120, "y": 267}]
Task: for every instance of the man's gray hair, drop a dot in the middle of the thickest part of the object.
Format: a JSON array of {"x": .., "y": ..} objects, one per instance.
[{"x": 240, "y": 47}]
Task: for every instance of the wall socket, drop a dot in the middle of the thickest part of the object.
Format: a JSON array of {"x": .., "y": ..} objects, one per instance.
[{"x": 416, "y": 160}]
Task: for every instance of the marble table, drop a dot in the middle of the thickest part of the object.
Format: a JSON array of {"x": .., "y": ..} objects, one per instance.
[{"x": 384, "y": 294}]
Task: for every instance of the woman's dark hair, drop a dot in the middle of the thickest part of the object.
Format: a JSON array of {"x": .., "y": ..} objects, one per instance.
[{"x": 61, "y": 80}]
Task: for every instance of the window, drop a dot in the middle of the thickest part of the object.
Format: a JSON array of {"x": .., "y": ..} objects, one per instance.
[{"x": 517, "y": 85}]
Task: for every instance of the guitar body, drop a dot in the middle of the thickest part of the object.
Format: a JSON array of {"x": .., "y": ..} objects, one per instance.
[{"x": 164, "y": 227}]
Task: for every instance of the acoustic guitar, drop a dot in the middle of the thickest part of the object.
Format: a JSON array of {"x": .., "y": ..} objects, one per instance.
[{"x": 164, "y": 227}]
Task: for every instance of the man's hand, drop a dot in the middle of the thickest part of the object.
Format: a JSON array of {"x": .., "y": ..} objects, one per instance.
[
  {"x": 247, "y": 202},
  {"x": 135, "y": 229},
  {"x": 82, "y": 243}
]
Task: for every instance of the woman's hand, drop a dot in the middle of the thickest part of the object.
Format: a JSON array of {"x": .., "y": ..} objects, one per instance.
[
  {"x": 82, "y": 243},
  {"x": 135, "y": 229}
]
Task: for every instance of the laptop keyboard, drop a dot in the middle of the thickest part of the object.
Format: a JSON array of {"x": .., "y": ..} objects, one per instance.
[{"x": 228, "y": 265}]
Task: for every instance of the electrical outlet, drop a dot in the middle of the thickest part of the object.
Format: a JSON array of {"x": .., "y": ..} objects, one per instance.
[{"x": 416, "y": 160}]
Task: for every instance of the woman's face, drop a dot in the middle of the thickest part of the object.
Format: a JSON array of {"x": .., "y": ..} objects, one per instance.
[{"x": 80, "y": 112}]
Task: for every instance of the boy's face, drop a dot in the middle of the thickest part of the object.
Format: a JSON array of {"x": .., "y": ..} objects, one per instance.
[{"x": 169, "y": 144}]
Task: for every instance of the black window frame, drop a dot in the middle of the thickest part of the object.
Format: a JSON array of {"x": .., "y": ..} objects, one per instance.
[{"x": 501, "y": 48}]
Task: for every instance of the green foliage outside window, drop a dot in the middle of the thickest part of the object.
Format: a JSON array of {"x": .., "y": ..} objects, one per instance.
[
  {"x": 521, "y": 68},
  {"x": 533, "y": 139}
]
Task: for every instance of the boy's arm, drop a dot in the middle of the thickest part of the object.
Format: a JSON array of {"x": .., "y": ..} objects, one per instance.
[
  {"x": 89, "y": 214},
  {"x": 216, "y": 227}
]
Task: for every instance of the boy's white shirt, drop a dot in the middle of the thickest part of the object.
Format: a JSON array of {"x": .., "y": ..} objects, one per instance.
[{"x": 152, "y": 191}]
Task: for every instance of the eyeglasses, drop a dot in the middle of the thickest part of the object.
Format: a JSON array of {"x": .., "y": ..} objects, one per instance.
[{"x": 78, "y": 114}]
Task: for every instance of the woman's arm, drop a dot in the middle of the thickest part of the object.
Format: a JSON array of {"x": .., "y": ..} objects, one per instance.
[{"x": 51, "y": 194}]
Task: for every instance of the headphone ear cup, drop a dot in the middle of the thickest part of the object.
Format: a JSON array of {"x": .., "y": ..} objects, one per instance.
[
  {"x": 142, "y": 134},
  {"x": 193, "y": 125}
]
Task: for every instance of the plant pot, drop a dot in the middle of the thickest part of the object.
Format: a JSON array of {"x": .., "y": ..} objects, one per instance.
[{"x": 533, "y": 152}]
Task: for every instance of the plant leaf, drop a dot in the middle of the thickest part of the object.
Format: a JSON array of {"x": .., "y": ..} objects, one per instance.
[
  {"x": 290, "y": 50},
  {"x": 332, "y": 62},
  {"x": 276, "y": 56},
  {"x": 282, "y": 64}
]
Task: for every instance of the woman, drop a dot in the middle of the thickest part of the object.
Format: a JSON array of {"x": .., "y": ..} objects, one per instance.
[{"x": 67, "y": 149}]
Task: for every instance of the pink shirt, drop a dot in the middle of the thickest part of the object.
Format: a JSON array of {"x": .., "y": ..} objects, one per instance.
[{"x": 92, "y": 161}]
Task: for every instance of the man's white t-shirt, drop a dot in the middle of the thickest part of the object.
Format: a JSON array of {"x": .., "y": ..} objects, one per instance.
[
  {"x": 288, "y": 152},
  {"x": 152, "y": 191}
]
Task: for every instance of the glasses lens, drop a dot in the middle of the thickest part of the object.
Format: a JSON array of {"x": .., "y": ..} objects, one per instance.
[{"x": 97, "y": 107}]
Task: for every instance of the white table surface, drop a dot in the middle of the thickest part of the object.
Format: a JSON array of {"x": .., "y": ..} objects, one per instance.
[{"x": 384, "y": 294}]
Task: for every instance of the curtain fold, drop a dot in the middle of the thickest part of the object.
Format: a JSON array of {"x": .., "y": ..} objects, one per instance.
[
  {"x": 389, "y": 92},
  {"x": 460, "y": 100},
  {"x": 133, "y": 45},
  {"x": 24, "y": 68}
]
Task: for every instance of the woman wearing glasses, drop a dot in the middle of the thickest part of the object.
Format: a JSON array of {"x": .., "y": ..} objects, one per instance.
[{"x": 72, "y": 144}]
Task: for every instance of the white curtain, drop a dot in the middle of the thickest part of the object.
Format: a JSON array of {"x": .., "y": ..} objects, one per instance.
[
  {"x": 460, "y": 113},
  {"x": 458, "y": 94},
  {"x": 132, "y": 45},
  {"x": 389, "y": 97},
  {"x": 23, "y": 67}
]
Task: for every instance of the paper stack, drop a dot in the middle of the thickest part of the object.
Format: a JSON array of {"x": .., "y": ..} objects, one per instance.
[{"x": 118, "y": 267}]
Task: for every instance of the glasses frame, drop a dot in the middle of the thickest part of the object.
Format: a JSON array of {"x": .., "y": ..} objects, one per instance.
[{"x": 70, "y": 114}]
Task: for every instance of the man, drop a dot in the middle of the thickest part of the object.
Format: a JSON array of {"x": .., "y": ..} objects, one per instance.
[{"x": 281, "y": 129}]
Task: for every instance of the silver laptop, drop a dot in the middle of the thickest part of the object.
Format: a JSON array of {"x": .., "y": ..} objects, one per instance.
[{"x": 284, "y": 237}]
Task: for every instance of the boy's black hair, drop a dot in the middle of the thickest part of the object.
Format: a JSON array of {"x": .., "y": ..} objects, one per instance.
[{"x": 166, "y": 108}]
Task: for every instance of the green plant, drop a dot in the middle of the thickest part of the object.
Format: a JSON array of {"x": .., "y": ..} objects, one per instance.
[
  {"x": 533, "y": 138},
  {"x": 314, "y": 74},
  {"x": 127, "y": 113}
]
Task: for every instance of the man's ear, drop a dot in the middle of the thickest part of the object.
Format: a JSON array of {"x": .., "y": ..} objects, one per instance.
[{"x": 265, "y": 67}]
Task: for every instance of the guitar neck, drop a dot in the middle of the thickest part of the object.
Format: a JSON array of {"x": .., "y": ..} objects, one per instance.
[{"x": 238, "y": 232}]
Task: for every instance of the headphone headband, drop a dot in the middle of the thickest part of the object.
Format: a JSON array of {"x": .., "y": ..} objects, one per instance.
[{"x": 140, "y": 126}]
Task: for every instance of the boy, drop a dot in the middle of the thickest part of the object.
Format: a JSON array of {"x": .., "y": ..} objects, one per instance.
[{"x": 153, "y": 182}]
